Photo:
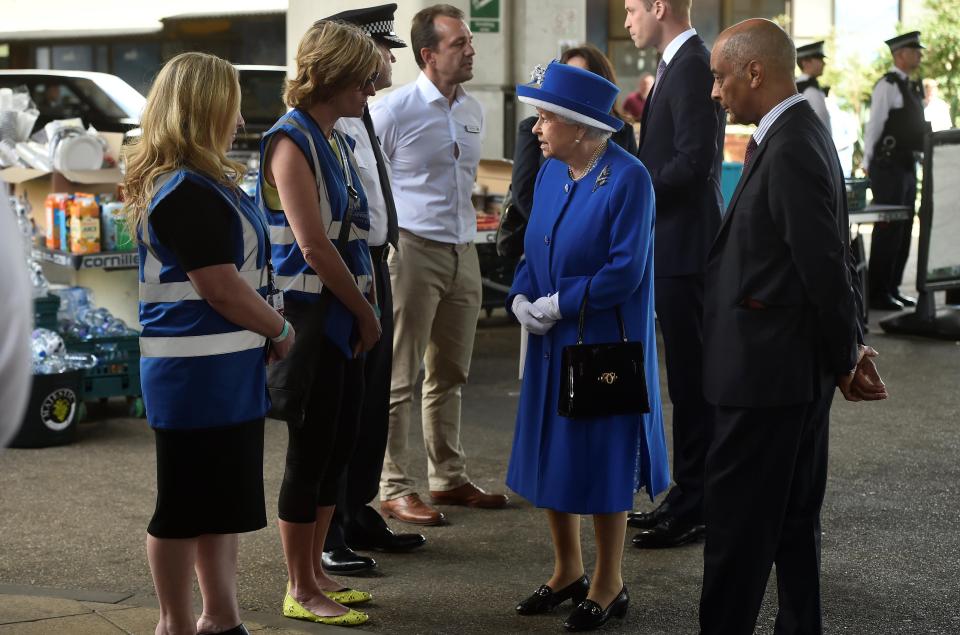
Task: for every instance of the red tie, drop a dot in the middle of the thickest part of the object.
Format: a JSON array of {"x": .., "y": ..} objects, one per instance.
[{"x": 751, "y": 148}]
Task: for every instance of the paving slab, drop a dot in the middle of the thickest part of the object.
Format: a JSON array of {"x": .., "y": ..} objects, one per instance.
[{"x": 90, "y": 624}]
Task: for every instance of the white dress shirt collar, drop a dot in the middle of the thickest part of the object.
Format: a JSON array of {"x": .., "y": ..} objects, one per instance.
[
  {"x": 431, "y": 93},
  {"x": 676, "y": 43},
  {"x": 768, "y": 119},
  {"x": 900, "y": 73}
]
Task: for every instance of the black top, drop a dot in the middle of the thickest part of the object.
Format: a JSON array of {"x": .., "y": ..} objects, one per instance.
[
  {"x": 905, "y": 127},
  {"x": 192, "y": 222},
  {"x": 527, "y": 159}
]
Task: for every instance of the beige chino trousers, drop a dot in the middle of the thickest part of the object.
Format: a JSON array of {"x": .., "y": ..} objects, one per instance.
[{"x": 436, "y": 303}]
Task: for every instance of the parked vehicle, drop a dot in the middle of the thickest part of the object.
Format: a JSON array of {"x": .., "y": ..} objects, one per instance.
[
  {"x": 261, "y": 103},
  {"x": 103, "y": 101}
]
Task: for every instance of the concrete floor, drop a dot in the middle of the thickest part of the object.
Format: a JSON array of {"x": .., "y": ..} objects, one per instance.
[{"x": 73, "y": 518}]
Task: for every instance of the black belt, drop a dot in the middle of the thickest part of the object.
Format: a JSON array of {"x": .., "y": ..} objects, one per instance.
[{"x": 379, "y": 253}]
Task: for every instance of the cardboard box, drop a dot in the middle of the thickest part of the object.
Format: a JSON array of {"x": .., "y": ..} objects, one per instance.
[
  {"x": 31, "y": 184},
  {"x": 495, "y": 175}
]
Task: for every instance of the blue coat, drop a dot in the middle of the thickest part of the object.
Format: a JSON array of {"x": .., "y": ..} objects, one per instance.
[{"x": 579, "y": 232}]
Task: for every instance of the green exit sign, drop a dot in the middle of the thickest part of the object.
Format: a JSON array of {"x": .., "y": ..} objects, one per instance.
[{"x": 485, "y": 16}]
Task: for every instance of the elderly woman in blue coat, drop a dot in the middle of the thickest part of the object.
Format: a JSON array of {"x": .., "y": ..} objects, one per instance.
[{"x": 591, "y": 223}]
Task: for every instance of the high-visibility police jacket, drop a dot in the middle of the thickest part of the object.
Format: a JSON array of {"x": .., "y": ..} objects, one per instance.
[
  {"x": 294, "y": 276},
  {"x": 197, "y": 368}
]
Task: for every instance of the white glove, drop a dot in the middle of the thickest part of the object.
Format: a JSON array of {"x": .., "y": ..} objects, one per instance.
[
  {"x": 530, "y": 317},
  {"x": 550, "y": 306}
]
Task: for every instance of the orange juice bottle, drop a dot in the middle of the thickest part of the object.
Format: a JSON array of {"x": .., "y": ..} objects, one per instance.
[{"x": 84, "y": 224}]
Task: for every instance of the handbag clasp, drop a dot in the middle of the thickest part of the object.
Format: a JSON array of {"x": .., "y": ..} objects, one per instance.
[{"x": 608, "y": 378}]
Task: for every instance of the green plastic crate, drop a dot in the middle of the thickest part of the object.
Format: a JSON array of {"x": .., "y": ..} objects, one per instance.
[
  {"x": 117, "y": 373},
  {"x": 45, "y": 312}
]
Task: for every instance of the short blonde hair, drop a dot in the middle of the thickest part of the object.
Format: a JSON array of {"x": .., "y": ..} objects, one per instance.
[
  {"x": 331, "y": 57},
  {"x": 190, "y": 109}
]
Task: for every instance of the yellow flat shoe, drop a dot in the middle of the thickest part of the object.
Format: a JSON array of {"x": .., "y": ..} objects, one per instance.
[
  {"x": 294, "y": 610},
  {"x": 347, "y": 596}
]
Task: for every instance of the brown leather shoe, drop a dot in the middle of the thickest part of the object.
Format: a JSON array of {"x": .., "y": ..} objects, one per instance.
[
  {"x": 470, "y": 495},
  {"x": 410, "y": 509}
]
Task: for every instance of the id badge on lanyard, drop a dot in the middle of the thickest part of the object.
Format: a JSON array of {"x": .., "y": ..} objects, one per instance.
[{"x": 274, "y": 295}]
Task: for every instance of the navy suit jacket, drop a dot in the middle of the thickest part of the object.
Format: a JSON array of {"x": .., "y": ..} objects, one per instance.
[
  {"x": 780, "y": 306},
  {"x": 681, "y": 145}
]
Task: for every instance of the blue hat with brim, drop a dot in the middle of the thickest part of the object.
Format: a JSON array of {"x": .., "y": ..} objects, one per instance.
[{"x": 574, "y": 93}]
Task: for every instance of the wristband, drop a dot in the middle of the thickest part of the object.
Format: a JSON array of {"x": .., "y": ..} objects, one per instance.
[{"x": 283, "y": 333}]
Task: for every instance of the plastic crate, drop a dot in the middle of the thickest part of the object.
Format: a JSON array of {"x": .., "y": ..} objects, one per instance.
[
  {"x": 857, "y": 194},
  {"x": 45, "y": 312},
  {"x": 117, "y": 373}
]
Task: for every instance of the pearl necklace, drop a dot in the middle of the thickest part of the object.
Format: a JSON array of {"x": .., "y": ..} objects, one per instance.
[{"x": 590, "y": 164}]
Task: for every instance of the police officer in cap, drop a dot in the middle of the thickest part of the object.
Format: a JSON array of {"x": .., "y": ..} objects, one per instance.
[
  {"x": 893, "y": 137},
  {"x": 355, "y": 524},
  {"x": 810, "y": 59}
]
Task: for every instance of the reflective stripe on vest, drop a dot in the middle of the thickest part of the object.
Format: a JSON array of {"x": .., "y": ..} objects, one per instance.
[
  {"x": 200, "y": 345},
  {"x": 179, "y": 291}
]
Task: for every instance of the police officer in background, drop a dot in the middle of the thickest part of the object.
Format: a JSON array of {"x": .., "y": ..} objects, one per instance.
[
  {"x": 355, "y": 524},
  {"x": 810, "y": 60},
  {"x": 893, "y": 137}
]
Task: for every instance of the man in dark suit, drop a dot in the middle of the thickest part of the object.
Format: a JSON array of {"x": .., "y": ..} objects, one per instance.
[
  {"x": 681, "y": 144},
  {"x": 780, "y": 333}
]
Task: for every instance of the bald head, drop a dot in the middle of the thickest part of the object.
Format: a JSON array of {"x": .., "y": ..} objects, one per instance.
[
  {"x": 761, "y": 41},
  {"x": 752, "y": 64}
]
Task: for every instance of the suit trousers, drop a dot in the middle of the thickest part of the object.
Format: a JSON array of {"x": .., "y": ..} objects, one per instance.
[
  {"x": 890, "y": 245},
  {"x": 360, "y": 480},
  {"x": 679, "y": 301},
  {"x": 437, "y": 293},
  {"x": 766, "y": 476}
]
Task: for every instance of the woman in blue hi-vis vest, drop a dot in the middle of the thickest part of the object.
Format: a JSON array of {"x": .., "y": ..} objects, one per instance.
[
  {"x": 310, "y": 192},
  {"x": 204, "y": 277}
]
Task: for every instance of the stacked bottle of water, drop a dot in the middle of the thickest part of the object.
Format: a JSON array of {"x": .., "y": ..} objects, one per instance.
[
  {"x": 81, "y": 320},
  {"x": 50, "y": 354}
]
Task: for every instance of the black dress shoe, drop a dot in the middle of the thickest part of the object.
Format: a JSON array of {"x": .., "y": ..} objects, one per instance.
[
  {"x": 905, "y": 300},
  {"x": 884, "y": 302},
  {"x": 239, "y": 629},
  {"x": 647, "y": 520},
  {"x": 346, "y": 560},
  {"x": 588, "y": 615},
  {"x": 370, "y": 531},
  {"x": 671, "y": 532},
  {"x": 383, "y": 539},
  {"x": 546, "y": 599}
]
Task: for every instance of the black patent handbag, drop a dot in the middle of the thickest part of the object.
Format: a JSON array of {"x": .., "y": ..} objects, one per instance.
[{"x": 601, "y": 380}]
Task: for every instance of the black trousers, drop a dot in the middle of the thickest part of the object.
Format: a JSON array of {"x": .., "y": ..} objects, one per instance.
[
  {"x": 766, "y": 476},
  {"x": 318, "y": 450},
  {"x": 892, "y": 184},
  {"x": 360, "y": 480},
  {"x": 679, "y": 301}
]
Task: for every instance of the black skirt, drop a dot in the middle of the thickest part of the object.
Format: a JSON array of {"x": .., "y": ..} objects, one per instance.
[{"x": 209, "y": 481}]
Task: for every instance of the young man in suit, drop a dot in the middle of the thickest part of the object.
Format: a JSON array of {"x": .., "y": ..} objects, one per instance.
[
  {"x": 681, "y": 145},
  {"x": 780, "y": 333}
]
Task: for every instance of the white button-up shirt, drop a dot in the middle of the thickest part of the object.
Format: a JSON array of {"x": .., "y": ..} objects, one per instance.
[
  {"x": 886, "y": 97},
  {"x": 434, "y": 150},
  {"x": 369, "y": 177}
]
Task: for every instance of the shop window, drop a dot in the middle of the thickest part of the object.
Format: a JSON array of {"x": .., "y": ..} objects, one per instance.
[{"x": 73, "y": 58}]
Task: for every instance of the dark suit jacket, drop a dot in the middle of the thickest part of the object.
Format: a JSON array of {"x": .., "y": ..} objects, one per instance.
[
  {"x": 681, "y": 145},
  {"x": 780, "y": 310}
]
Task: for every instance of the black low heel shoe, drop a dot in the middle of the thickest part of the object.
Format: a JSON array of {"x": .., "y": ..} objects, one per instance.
[
  {"x": 546, "y": 599},
  {"x": 588, "y": 615}
]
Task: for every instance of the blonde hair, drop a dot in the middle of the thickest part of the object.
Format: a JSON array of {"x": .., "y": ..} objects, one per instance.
[
  {"x": 191, "y": 108},
  {"x": 331, "y": 56}
]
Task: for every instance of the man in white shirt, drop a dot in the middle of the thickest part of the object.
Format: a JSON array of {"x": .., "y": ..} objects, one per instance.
[
  {"x": 935, "y": 110},
  {"x": 355, "y": 524},
  {"x": 892, "y": 142},
  {"x": 431, "y": 132},
  {"x": 810, "y": 60}
]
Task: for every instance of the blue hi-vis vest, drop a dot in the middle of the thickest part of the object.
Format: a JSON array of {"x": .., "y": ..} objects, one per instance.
[
  {"x": 294, "y": 276},
  {"x": 198, "y": 369}
]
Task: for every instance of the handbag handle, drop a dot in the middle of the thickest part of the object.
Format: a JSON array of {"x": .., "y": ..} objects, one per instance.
[{"x": 583, "y": 316}]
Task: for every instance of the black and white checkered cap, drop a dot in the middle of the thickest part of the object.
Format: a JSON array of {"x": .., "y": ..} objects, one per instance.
[{"x": 377, "y": 21}]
